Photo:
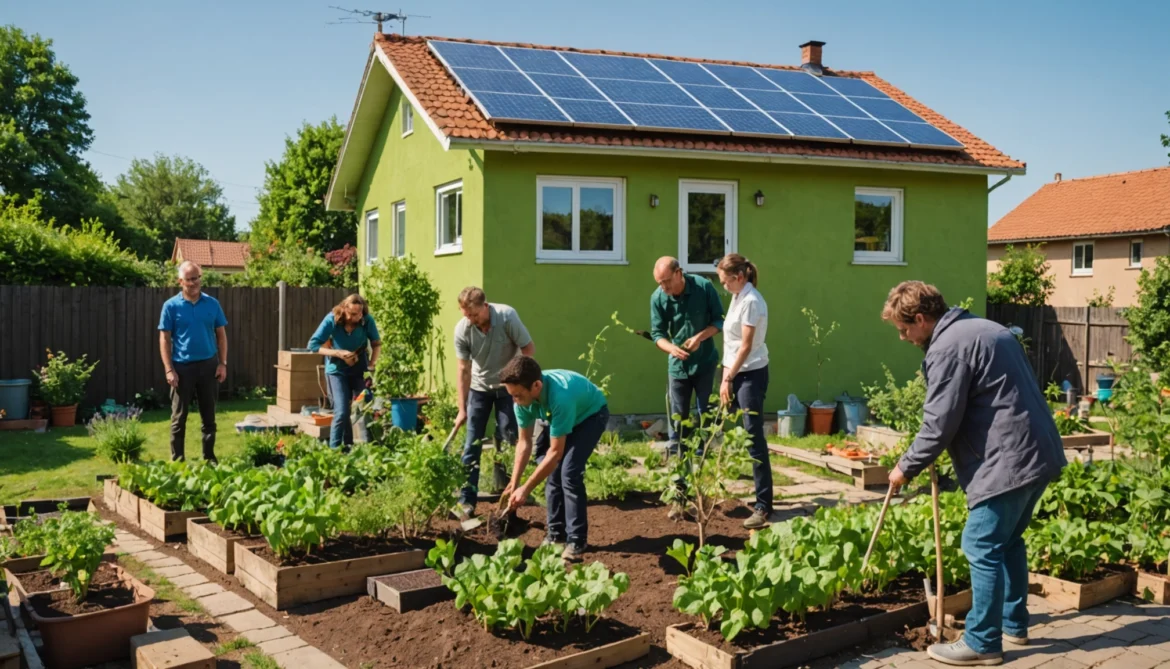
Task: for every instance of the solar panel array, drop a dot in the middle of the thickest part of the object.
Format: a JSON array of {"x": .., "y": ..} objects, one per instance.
[{"x": 566, "y": 88}]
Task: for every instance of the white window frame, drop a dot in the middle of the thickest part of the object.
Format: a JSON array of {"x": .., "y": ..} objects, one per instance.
[
  {"x": 456, "y": 246},
  {"x": 1083, "y": 271},
  {"x": 407, "y": 118},
  {"x": 397, "y": 226},
  {"x": 576, "y": 256},
  {"x": 730, "y": 189},
  {"x": 1141, "y": 248},
  {"x": 895, "y": 255},
  {"x": 371, "y": 245}
]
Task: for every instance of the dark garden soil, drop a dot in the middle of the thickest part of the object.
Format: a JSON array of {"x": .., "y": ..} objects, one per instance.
[
  {"x": 413, "y": 580},
  {"x": 229, "y": 534},
  {"x": 341, "y": 548},
  {"x": 60, "y": 604},
  {"x": 44, "y": 581}
]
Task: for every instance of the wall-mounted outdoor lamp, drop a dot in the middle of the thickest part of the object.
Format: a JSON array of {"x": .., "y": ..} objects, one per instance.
[
  {"x": 653, "y": 200},
  {"x": 759, "y": 198}
]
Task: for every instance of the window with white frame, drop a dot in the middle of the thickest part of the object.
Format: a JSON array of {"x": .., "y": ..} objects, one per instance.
[
  {"x": 399, "y": 229},
  {"x": 407, "y": 118},
  {"x": 449, "y": 218},
  {"x": 371, "y": 236},
  {"x": 1135, "y": 253},
  {"x": 580, "y": 219},
  {"x": 1083, "y": 258},
  {"x": 707, "y": 229},
  {"x": 877, "y": 225}
]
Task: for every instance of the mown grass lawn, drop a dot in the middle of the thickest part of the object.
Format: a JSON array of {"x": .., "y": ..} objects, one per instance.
[{"x": 64, "y": 462}]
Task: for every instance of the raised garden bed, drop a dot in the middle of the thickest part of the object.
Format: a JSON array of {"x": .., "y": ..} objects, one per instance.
[
  {"x": 954, "y": 604},
  {"x": 29, "y": 507},
  {"x": 26, "y": 577},
  {"x": 879, "y": 437},
  {"x": 1086, "y": 439},
  {"x": 126, "y": 503},
  {"x": 409, "y": 590},
  {"x": 340, "y": 569},
  {"x": 604, "y": 657},
  {"x": 213, "y": 544},
  {"x": 864, "y": 473},
  {"x": 1152, "y": 587},
  {"x": 856, "y": 619},
  {"x": 158, "y": 523},
  {"x": 1107, "y": 584},
  {"x": 96, "y": 630}
]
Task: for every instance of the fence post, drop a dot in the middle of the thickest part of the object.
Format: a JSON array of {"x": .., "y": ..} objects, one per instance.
[
  {"x": 282, "y": 289},
  {"x": 1088, "y": 347}
]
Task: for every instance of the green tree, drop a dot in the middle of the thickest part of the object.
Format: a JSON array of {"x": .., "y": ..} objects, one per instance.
[
  {"x": 169, "y": 197},
  {"x": 44, "y": 129},
  {"x": 1149, "y": 319},
  {"x": 292, "y": 202},
  {"x": 1022, "y": 278}
]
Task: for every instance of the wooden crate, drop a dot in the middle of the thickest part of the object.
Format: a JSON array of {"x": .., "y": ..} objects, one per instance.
[
  {"x": 1152, "y": 587},
  {"x": 864, "y": 473},
  {"x": 303, "y": 423},
  {"x": 292, "y": 385},
  {"x": 298, "y": 361},
  {"x": 1090, "y": 438},
  {"x": 217, "y": 551},
  {"x": 795, "y": 651},
  {"x": 603, "y": 657},
  {"x": 1063, "y": 595},
  {"x": 286, "y": 587},
  {"x": 160, "y": 524},
  {"x": 384, "y": 589}
]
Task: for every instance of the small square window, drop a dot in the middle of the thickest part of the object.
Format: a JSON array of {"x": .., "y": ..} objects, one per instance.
[
  {"x": 1135, "y": 253},
  {"x": 399, "y": 229},
  {"x": 449, "y": 218},
  {"x": 1083, "y": 259},
  {"x": 371, "y": 237},
  {"x": 877, "y": 225},
  {"x": 580, "y": 220},
  {"x": 407, "y": 118}
]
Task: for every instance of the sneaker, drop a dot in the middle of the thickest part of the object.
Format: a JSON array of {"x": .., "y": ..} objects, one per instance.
[
  {"x": 1015, "y": 640},
  {"x": 759, "y": 519},
  {"x": 959, "y": 654},
  {"x": 573, "y": 551}
]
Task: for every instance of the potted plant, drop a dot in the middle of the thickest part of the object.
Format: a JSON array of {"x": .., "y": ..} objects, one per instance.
[
  {"x": 820, "y": 413},
  {"x": 61, "y": 383}
]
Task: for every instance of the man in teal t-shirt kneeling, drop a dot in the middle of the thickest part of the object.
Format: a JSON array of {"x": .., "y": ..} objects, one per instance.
[{"x": 577, "y": 414}]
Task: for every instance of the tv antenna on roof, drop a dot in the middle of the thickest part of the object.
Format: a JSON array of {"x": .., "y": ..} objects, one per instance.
[{"x": 370, "y": 16}]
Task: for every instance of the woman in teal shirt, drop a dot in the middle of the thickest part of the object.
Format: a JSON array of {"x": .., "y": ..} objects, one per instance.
[{"x": 342, "y": 338}]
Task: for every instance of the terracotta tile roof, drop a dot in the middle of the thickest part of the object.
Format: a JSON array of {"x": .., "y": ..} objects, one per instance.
[
  {"x": 1109, "y": 204},
  {"x": 457, "y": 116},
  {"x": 211, "y": 253}
]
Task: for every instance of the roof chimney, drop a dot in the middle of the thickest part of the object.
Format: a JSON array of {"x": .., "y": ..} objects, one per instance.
[
  {"x": 810, "y": 57},
  {"x": 1057, "y": 177}
]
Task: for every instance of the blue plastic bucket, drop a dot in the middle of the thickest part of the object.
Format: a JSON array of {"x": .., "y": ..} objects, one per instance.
[
  {"x": 14, "y": 398},
  {"x": 855, "y": 411},
  {"x": 1105, "y": 381},
  {"x": 790, "y": 423},
  {"x": 404, "y": 413}
]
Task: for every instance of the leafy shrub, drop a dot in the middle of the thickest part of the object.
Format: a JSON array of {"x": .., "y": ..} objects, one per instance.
[
  {"x": 292, "y": 263},
  {"x": 1149, "y": 319},
  {"x": 263, "y": 448},
  {"x": 440, "y": 411},
  {"x": 1022, "y": 277},
  {"x": 119, "y": 436},
  {"x": 898, "y": 407},
  {"x": 60, "y": 381},
  {"x": 150, "y": 399},
  {"x": 1067, "y": 424},
  {"x": 404, "y": 303},
  {"x": 421, "y": 485},
  {"x": 1099, "y": 300},
  {"x": 74, "y": 550}
]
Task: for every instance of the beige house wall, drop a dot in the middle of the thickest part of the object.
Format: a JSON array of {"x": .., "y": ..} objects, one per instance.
[{"x": 1110, "y": 268}]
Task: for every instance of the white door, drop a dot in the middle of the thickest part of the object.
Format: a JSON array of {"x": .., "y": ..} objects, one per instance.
[{"x": 706, "y": 223}]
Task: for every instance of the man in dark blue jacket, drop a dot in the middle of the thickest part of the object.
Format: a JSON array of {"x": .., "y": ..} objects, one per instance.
[{"x": 984, "y": 407}]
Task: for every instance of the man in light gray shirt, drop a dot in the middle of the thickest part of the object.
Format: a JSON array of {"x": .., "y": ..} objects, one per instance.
[{"x": 486, "y": 338}]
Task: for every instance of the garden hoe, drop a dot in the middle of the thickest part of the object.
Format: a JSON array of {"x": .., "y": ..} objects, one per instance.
[{"x": 938, "y": 624}]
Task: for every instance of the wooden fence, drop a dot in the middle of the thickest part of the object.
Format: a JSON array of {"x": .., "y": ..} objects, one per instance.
[
  {"x": 119, "y": 328},
  {"x": 1069, "y": 343}
]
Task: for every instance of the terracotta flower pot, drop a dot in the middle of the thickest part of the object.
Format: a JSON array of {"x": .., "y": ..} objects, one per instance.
[
  {"x": 821, "y": 419},
  {"x": 65, "y": 416}
]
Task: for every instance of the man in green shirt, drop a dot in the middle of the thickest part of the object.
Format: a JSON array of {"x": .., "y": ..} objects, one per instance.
[
  {"x": 576, "y": 413},
  {"x": 685, "y": 311}
]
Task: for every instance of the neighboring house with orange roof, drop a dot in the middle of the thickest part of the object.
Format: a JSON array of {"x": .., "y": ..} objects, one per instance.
[
  {"x": 222, "y": 257},
  {"x": 553, "y": 178},
  {"x": 1097, "y": 232}
]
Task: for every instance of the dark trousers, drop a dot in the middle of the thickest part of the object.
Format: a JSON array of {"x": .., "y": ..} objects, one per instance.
[
  {"x": 480, "y": 407},
  {"x": 564, "y": 490},
  {"x": 196, "y": 381},
  {"x": 343, "y": 388},
  {"x": 681, "y": 391},
  {"x": 748, "y": 390}
]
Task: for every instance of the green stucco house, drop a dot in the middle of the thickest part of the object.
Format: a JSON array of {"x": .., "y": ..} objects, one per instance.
[{"x": 554, "y": 178}]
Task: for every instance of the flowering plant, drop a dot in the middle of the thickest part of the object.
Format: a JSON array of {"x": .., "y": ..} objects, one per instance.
[{"x": 61, "y": 381}]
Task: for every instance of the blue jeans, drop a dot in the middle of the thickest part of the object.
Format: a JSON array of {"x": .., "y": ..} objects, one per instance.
[
  {"x": 680, "y": 401},
  {"x": 994, "y": 545},
  {"x": 343, "y": 388},
  {"x": 748, "y": 390},
  {"x": 480, "y": 406},
  {"x": 564, "y": 490}
]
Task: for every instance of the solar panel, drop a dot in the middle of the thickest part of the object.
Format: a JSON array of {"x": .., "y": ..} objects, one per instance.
[{"x": 518, "y": 84}]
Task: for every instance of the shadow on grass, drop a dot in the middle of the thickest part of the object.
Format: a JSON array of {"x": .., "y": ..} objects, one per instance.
[{"x": 27, "y": 452}]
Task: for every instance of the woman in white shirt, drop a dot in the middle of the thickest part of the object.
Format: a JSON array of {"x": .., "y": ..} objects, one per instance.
[{"x": 745, "y": 370}]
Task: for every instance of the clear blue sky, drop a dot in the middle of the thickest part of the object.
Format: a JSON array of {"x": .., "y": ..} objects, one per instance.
[{"x": 1074, "y": 87}]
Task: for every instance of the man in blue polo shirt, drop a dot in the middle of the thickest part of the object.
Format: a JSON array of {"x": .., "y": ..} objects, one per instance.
[
  {"x": 577, "y": 414},
  {"x": 192, "y": 340}
]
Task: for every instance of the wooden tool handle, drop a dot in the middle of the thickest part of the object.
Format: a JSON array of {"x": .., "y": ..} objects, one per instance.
[
  {"x": 877, "y": 528},
  {"x": 939, "y": 596}
]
